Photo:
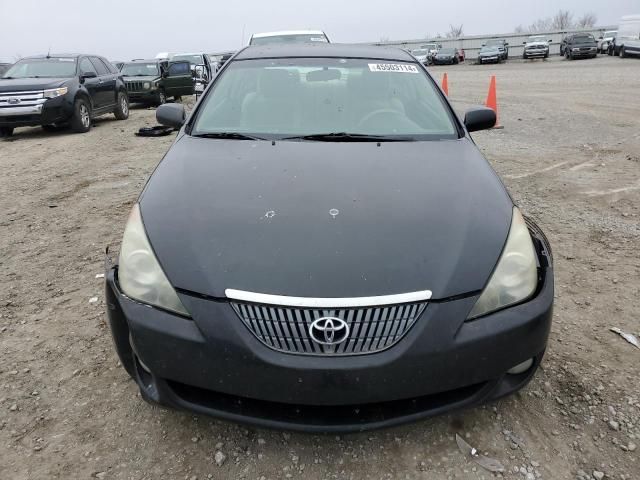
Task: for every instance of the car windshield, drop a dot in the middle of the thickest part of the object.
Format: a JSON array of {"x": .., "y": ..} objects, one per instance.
[
  {"x": 279, "y": 98},
  {"x": 583, "y": 38},
  {"x": 54, "y": 67},
  {"x": 300, "y": 38},
  {"x": 140, "y": 69},
  {"x": 489, "y": 48},
  {"x": 537, "y": 39},
  {"x": 447, "y": 51},
  {"x": 192, "y": 59},
  {"x": 420, "y": 53},
  {"x": 610, "y": 34}
]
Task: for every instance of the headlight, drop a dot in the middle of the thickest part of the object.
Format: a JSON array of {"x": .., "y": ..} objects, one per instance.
[
  {"x": 139, "y": 273},
  {"x": 515, "y": 278},
  {"x": 575, "y": 49},
  {"x": 146, "y": 85},
  {"x": 55, "y": 92}
]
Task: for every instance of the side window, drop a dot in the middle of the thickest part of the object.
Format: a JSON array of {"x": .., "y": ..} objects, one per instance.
[
  {"x": 100, "y": 67},
  {"x": 182, "y": 68},
  {"x": 86, "y": 66}
]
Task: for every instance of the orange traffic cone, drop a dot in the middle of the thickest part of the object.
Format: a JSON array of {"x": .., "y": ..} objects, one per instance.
[
  {"x": 492, "y": 100},
  {"x": 445, "y": 84}
]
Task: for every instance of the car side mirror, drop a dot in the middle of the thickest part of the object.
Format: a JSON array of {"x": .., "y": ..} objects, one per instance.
[
  {"x": 479, "y": 118},
  {"x": 524, "y": 43},
  {"x": 85, "y": 75},
  {"x": 506, "y": 44},
  {"x": 171, "y": 115}
]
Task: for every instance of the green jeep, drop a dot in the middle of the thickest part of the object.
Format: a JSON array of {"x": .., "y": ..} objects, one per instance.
[{"x": 153, "y": 81}]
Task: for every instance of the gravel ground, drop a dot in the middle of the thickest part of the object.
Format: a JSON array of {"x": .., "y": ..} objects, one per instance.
[{"x": 569, "y": 154}]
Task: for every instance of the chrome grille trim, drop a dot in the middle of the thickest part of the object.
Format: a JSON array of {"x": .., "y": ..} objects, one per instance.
[
  {"x": 321, "y": 302},
  {"x": 286, "y": 329}
]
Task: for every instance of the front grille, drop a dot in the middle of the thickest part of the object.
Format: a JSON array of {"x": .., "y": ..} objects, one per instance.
[
  {"x": 21, "y": 99},
  {"x": 134, "y": 86},
  {"x": 287, "y": 329}
]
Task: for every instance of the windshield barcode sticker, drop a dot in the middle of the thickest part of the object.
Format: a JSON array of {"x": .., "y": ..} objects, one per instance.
[{"x": 393, "y": 67}]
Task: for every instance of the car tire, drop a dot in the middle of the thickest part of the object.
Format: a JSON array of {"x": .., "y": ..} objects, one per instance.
[
  {"x": 161, "y": 98},
  {"x": 122, "y": 107},
  {"x": 81, "y": 119},
  {"x": 6, "y": 132}
]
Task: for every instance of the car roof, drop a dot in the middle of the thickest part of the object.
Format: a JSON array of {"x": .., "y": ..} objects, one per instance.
[
  {"x": 64, "y": 55},
  {"x": 142, "y": 60},
  {"x": 324, "y": 50},
  {"x": 287, "y": 32}
]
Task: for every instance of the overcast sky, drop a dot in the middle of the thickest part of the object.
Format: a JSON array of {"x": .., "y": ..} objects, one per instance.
[{"x": 122, "y": 30}]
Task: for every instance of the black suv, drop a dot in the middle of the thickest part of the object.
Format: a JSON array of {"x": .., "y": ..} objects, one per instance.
[
  {"x": 56, "y": 91},
  {"x": 153, "y": 81},
  {"x": 579, "y": 45}
]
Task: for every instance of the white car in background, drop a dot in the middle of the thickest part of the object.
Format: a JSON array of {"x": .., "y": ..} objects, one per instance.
[
  {"x": 605, "y": 40},
  {"x": 289, "y": 37}
]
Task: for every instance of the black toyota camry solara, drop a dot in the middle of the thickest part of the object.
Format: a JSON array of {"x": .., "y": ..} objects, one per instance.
[{"x": 324, "y": 248}]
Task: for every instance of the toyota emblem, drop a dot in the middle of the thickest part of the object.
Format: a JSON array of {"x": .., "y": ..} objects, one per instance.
[{"x": 329, "y": 331}]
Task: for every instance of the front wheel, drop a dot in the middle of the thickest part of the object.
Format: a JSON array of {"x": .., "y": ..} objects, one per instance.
[
  {"x": 122, "y": 107},
  {"x": 6, "y": 132},
  {"x": 81, "y": 120}
]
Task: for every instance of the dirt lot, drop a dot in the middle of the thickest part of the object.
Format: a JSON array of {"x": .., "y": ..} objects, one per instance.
[{"x": 569, "y": 154}]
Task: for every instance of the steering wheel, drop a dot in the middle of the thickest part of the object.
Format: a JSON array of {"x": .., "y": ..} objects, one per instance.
[{"x": 380, "y": 111}]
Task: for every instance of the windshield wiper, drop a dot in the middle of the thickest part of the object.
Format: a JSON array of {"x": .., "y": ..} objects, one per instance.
[
  {"x": 349, "y": 137},
  {"x": 228, "y": 136}
]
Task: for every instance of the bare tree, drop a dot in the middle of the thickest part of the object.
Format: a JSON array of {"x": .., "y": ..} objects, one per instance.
[
  {"x": 588, "y": 20},
  {"x": 455, "y": 31},
  {"x": 384, "y": 39},
  {"x": 562, "y": 20},
  {"x": 541, "y": 25},
  {"x": 519, "y": 29}
]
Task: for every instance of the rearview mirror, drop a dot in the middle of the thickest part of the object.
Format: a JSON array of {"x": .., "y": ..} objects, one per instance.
[
  {"x": 479, "y": 118},
  {"x": 324, "y": 75},
  {"x": 200, "y": 73},
  {"x": 171, "y": 115}
]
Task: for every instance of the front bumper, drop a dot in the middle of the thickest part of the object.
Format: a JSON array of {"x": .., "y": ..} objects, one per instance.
[
  {"x": 493, "y": 59},
  {"x": 214, "y": 365},
  {"x": 536, "y": 53},
  {"x": 583, "y": 53},
  {"x": 144, "y": 96},
  {"x": 55, "y": 110}
]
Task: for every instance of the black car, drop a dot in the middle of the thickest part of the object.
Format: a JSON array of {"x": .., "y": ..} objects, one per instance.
[
  {"x": 447, "y": 56},
  {"x": 579, "y": 45},
  {"x": 490, "y": 54},
  {"x": 59, "y": 90},
  {"x": 325, "y": 248},
  {"x": 154, "y": 81},
  {"x": 501, "y": 44}
]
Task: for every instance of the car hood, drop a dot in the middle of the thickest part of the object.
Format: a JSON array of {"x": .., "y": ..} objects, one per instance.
[
  {"x": 146, "y": 78},
  {"x": 582, "y": 44},
  {"x": 27, "y": 84},
  {"x": 318, "y": 219}
]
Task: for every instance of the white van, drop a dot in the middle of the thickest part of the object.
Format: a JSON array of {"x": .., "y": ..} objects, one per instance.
[
  {"x": 289, "y": 37},
  {"x": 627, "y": 41}
]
